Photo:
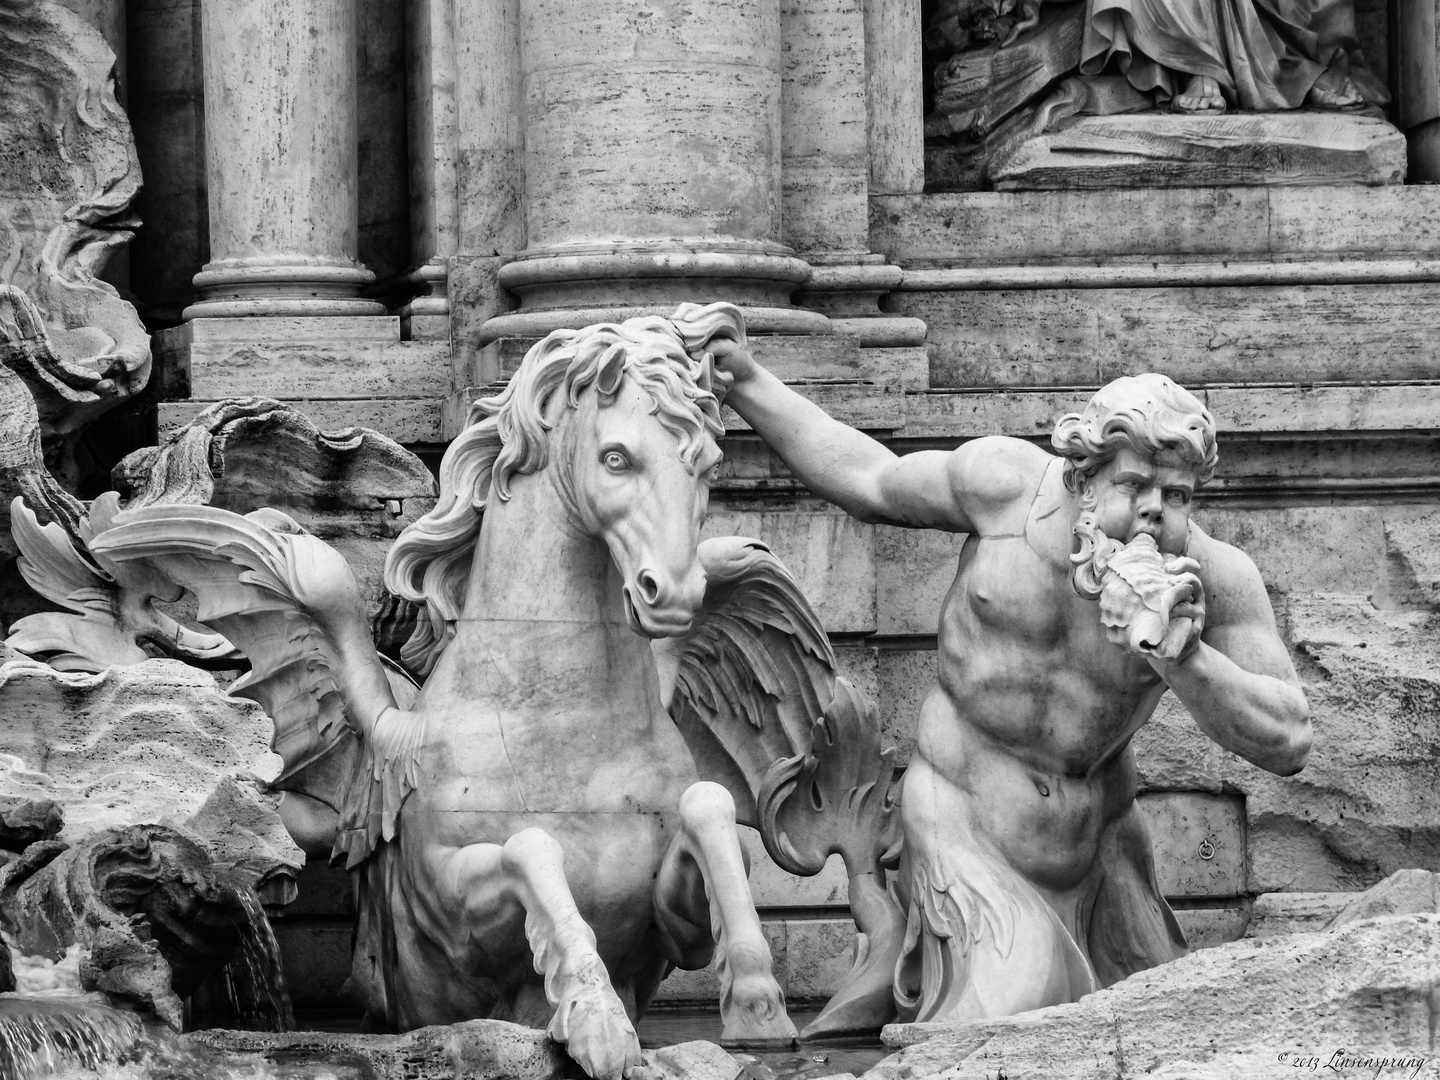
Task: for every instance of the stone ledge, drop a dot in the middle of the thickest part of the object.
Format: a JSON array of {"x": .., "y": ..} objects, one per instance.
[
  {"x": 1335, "y": 332},
  {"x": 834, "y": 357},
  {"x": 1239, "y": 410},
  {"x": 1002, "y": 228},
  {"x": 307, "y": 358}
]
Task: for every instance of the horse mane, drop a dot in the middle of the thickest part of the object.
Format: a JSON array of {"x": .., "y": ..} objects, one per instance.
[{"x": 508, "y": 435}]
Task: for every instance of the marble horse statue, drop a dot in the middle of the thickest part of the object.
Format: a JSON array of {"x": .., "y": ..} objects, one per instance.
[{"x": 548, "y": 825}]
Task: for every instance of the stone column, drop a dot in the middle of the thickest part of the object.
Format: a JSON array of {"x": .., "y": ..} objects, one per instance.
[
  {"x": 434, "y": 194},
  {"x": 652, "y": 164},
  {"x": 280, "y": 155},
  {"x": 894, "y": 77},
  {"x": 1418, "y": 86}
]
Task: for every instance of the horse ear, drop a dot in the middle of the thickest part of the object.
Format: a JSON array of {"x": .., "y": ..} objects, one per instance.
[{"x": 611, "y": 371}]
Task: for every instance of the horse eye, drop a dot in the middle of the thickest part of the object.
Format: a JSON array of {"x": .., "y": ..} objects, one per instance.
[{"x": 615, "y": 461}]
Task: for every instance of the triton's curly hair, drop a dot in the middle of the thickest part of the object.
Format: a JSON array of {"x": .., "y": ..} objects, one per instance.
[{"x": 1146, "y": 413}]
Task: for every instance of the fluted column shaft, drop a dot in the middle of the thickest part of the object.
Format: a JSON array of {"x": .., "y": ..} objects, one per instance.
[{"x": 280, "y": 154}]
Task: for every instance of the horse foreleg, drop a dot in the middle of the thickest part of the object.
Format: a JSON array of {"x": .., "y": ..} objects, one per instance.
[
  {"x": 530, "y": 869},
  {"x": 704, "y": 880}
]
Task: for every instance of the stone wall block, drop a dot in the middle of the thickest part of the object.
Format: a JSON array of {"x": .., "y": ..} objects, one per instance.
[
  {"x": 831, "y": 555},
  {"x": 818, "y": 954},
  {"x": 1199, "y": 843},
  {"x": 915, "y": 569},
  {"x": 994, "y": 227},
  {"x": 1306, "y": 549},
  {"x": 1221, "y": 334},
  {"x": 1412, "y": 556},
  {"x": 906, "y": 677}
]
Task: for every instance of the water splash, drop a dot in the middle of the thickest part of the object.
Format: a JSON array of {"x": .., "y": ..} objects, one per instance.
[{"x": 41, "y": 1035}]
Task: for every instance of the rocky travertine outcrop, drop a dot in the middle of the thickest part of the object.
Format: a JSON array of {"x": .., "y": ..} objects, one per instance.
[
  {"x": 146, "y": 744},
  {"x": 169, "y": 836},
  {"x": 1248, "y": 1008},
  {"x": 476, "y": 1048},
  {"x": 1365, "y": 805}
]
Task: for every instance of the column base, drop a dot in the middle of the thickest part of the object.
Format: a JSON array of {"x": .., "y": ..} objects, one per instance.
[
  {"x": 575, "y": 287},
  {"x": 226, "y": 292},
  {"x": 849, "y": 293}
]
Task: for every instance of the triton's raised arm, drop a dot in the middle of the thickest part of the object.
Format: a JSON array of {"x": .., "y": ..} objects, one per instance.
[
  {"x": 970, "y": 489},
  {"x": 1240, "y": 685}
]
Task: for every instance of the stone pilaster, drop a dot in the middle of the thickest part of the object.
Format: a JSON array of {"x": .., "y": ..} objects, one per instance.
[
  {"x": 434, "y": 145},
  {"x": 280, "y": 148},
  {"x": 652, "y": 138}
]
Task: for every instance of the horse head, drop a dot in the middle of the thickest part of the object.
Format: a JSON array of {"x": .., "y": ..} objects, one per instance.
[{"x": 621, "y": 418}]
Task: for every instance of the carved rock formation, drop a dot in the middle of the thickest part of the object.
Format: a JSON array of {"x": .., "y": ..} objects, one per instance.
[
  {"x": 169, "y": 837},
  {"x": 473, "y": 1048},
  {"x": 354, "y": 488},
  {"x": 1218, "y": 1013},
  {"x": 133, "y": 745},
  {"x": 68, "y": 173},
  {"x": 1364, "y": 806}
]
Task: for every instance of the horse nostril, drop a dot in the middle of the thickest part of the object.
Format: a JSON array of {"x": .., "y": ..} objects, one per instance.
[{"x": 649, "y": 586}]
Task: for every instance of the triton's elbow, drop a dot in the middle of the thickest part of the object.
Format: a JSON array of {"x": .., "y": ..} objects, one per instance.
[{"x": 1294, "y": 746}]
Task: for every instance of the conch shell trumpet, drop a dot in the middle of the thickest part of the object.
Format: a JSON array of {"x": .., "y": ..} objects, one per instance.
[{"x": 1139, "y": 590}]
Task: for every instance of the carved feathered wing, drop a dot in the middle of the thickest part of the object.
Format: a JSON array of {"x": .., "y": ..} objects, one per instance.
[
  {"x": 260, "y": 580},
  {"x": 753, "y": 690}
]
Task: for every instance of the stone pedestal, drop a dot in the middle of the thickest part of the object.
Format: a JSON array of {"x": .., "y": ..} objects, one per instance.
[
  {"x": 280, "y": 148},
  {"x": 1173, "y": 150}
]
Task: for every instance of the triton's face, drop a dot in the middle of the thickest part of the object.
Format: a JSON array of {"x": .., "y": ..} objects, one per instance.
[{"x": 1138, "y": 494}]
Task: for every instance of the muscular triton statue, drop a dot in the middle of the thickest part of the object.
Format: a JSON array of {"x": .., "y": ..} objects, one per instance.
[{"x": 1027, "y": 869}]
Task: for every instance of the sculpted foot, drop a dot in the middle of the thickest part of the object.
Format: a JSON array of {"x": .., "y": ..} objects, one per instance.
[
  {"x": 1332, "y": 91},
  {"x": 754, "y": 1008},
  {"x": 1201, "y": 94},
  {"x": 591, "y": 1023}
]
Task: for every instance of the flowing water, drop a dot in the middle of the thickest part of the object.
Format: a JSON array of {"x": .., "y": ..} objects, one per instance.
[
  {"x": 45, "y": 1036},
  {"x": 257, "y": 980}
]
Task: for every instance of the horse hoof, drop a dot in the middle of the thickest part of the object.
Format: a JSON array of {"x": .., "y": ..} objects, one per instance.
[
  {"x": 754, "y": 1011},
  {"x": 591, "y": 1023}
]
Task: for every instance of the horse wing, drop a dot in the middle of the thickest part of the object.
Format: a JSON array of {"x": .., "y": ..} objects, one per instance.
[
  {"x": 753, "y": 689},
  {"x": 266, "y": 584}
]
